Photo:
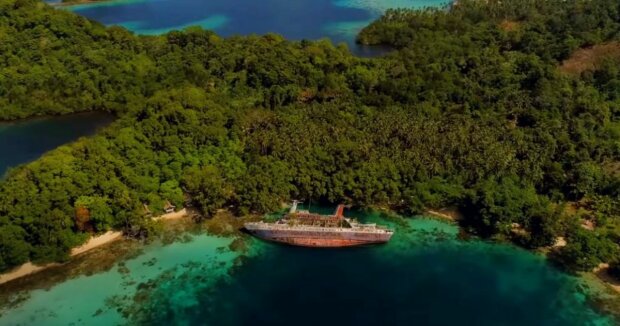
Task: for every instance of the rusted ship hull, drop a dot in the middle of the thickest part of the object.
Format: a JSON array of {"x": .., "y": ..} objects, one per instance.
[{"x": 326, "y": 239}]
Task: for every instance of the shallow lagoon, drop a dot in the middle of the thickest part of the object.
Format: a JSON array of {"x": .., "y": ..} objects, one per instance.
[
  {"x": 339, "y": 20},
  {"x": 424, "y": 276}
]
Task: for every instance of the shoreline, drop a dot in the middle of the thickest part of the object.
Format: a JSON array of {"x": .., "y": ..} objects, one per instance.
[
  {"x": 14, "y": 121},
  {"x": 30, "y": 268},
  {"x": 602, "y": 273},
  {"x": 603, "y": 293},
  {"x": 449, "y": 214},
  {"x": 452, "y": 215},
  {"x": 171, "y": 216},
  {"x": 93, "y": 242},
  {"x": 24, "y": 270}
]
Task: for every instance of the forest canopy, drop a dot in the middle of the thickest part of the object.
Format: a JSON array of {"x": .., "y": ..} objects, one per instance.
[{"x": 471, "y": 110}]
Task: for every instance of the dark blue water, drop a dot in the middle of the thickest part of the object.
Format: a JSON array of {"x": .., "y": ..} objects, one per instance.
[
  {"x": 24, "y": 141},
  {"x": 339, "y": 20},
  {"x": 443, "y": 286}
]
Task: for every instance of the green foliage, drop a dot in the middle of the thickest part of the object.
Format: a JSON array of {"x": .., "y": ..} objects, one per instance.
[
  {"x": 507, "y": 206},
  {"x": 469, "y": 111},
  {"x": 498, "y": 204},
  {"x": 14, "y": 249},
  {"x": 207, "y": 188},
  {"x": 100, "y": 212},
  {"x": 586, "y": 250},
  {"x": 172, "y": 192}
]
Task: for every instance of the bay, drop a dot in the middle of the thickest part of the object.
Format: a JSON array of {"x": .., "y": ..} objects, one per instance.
[
  {"x": 338, "y": 20},
  {"x": 24, "y": 141}
]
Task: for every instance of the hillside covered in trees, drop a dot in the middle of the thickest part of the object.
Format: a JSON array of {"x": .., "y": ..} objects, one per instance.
[{"x": 471, "y": 110}]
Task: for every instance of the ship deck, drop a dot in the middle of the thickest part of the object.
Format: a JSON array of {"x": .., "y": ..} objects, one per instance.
[{"x": 286, "y": 227}]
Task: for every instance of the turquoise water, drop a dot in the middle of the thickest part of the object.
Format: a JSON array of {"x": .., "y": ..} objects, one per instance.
[
  {"x": 24, "y": 141},
  {"x": 339, "y": 20},
  {"x": 424, "y": 276},
  {"x": 93, "y": 300}
]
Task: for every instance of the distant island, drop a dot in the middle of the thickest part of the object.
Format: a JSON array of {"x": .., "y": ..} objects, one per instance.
[{"x": 506, "y": 110}]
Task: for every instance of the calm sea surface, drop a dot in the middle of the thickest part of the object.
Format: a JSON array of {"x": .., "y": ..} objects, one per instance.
[
  {"x": 339, "y": 20},
  {"x": 24, "y": 141},
  {"x": 424, "y": 276}
]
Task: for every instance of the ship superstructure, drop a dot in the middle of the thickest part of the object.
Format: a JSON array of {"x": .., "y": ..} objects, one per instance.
[{"x": 302, "y": 228}]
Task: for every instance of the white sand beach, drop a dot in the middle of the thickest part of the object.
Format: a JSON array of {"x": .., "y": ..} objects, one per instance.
[
  {"x": 171, "y": 216},
  {"x": 93, "y": 242},
  {"x": 97, "y": 241},
  {"x": 30, "y": 268}
]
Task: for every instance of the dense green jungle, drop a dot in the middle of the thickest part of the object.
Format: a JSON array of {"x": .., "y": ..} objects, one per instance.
[{"x": 507, "y": 110}]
